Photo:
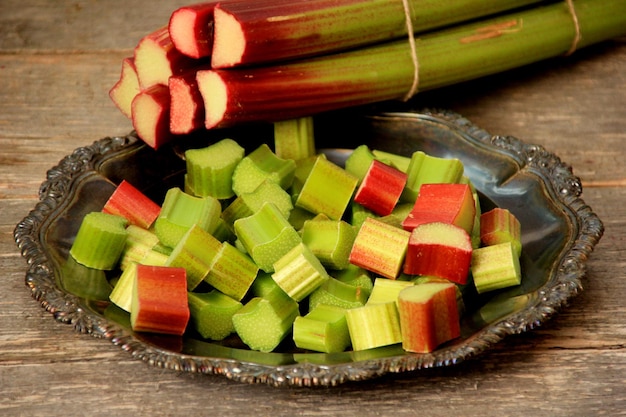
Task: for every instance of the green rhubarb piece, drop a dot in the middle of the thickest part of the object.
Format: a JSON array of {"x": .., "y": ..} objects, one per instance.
[
  {"x": 294, "y": 138},
  {"x": 100, "y": 240},
  {"x": 298, "y": 216},
  {"x": 328, "y": 189},
  {"x": 210, "y": 169},
  {"x": 260, "y": 165},
  {"x": 475, "y": 232},
  {"x": 122, "y": 293},
  {"x": 355, "y": 276},
  {"x": 212, "y": 314},
  {"x": 195, "y": 252},
  {"x": 427, "y": 169},
  {"x": 232, "y": 272},
  {"x": 495, "y": 267},
  {"x": 263, "y": 322},
  {"x": 299, "y": 272},
  {"x": 374, "y": 325},
  {"x": 399, "y": 162},
  {"x": 139, "y": 242},
  {"x": 386, "y": 290},
  {"x": 266, "y": 236},
  {"x": 223, "y": 232},
  {"x": 359, "y": 161},
  {"x": 180, "y": 211},
  {"x": 323, "y": 329},
  {"x": 85, "y": 282},
  {"x": 380, "y": 248},
  {"x": 329, "y": 240},
  {"x": 263, "y": 285},
  {"x": 303, "y": 169},
  {"x": 359, "y": 213},
  {"x": 247, "y": 204},
  {"x": 340, "y": 294}
]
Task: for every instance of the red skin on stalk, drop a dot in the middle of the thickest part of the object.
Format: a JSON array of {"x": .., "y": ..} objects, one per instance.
[
  {"x": 130, "y": 203},
  {"x": 191, "y": 29},
  {"x": 381, "y": 188}
]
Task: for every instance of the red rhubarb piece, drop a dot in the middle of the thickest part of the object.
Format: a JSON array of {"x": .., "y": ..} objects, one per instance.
[
  {"x": 160, "y": 300},
  {"x": 381, "y": 188},
  {"x": 151, "y": 116},
  {"x": 447, "y": 203},
  {"x": 441, "y": 250},
  {"x": 429, "y": 316},
  {"x": 130, "y": 203},
  {"x": 126, "y": 88},
  {"x": 191, "y": 29}
]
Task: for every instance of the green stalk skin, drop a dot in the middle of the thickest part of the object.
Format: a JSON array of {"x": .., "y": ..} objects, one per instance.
[
  {"x": 263, "y": 323},
  {"x": 323, "y": 329},
  {"x": 399, "y": 162},
  {"x": 155, "y": 258},
  {"x": 499, "y": 226},
  {"x": 138, "y": 243},
  {"x": 268, "y": 31},
  {"x": 210, "y": 169},
  {"x": 330, "y": 241},
  {"x": 380, "y": 248},
  {"x": 339, "y": 294},
  {"x": 232, "y": 272},
  {"x": 359, "y": 161},
  {"x": 325, "y": 176},
  {"x": 303, "y": 169},
  {"x": 263, "y": 285},
  {"x": 85, "y": 282},
  {"x": 180, "y": 211},
  {"x": 387, "y": 71},
  {"x": 355, "y": 276},
  {"x": 427, "y": 169},
  {"x": 195, "y": 252},
  {"x": 294, "y": 138},
  {"x": 387, "y": 290},
  {"x": 100, "y": 240},
  {"x": 247, "y": 204},
  {"x": 212, "y": 314},
  {"x": 266, "y": 236},
  {"x": 299, "y": 272},
  {"x": 495, "y": 267},
  {"x": 260, "y": 165},
  {"x": 298, "y": 216},
  {"x": 358, "y": 214},
  {"x": 374, "y": 325},
  {"x": 475, "y": 233},
  {"x": 122, "y": 294}
]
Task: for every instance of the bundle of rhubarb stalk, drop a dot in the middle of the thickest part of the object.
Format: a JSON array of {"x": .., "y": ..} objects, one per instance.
[{"x": 233, "y": 61}]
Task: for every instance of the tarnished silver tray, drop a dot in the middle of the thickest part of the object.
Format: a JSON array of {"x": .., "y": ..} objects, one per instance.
[{"x": 559, "y": 232}]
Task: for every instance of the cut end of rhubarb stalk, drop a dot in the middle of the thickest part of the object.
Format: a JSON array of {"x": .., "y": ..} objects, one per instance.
[
  {"x": 126, "y": 88},
  {"x": 186, "y": 107},
  {"x": 215, "y": 96},
  {"x": 229, "y": 42},
  {"x": 191, "y": 32},
  {"x": 151, "y": 116}
]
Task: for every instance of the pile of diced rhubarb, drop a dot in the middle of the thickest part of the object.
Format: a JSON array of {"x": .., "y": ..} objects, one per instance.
[{"x": 282, "y": 247}]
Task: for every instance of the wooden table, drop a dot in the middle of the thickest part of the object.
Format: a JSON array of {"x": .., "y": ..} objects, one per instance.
[{"x": 57, "y": 62}]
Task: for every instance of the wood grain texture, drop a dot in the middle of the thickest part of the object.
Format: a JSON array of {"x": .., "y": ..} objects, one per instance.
[{"x": 57, "y": 62}]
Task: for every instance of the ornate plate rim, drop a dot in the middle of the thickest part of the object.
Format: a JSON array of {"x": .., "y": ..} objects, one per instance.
[{"x": 566, "y": 284}]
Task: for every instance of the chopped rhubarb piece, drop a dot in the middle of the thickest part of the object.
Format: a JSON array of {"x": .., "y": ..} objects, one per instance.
[
  {"x": 428, "y": 316},
  {"x": 266, "y": 236},
  {"x": 160, "y": 300},
  {"x": 340, "y": 294},
  {"x": 212, "y": 314},
  {"x": 260, "y": 165},
  {"x": 139, "y": 242},
  {"x": 100, "y": 240},
  {"x": 330, "y": 241},
  {"x": 324, "y": 177},
  {"x": 156, "y": 59},
  {"x": 294, "y": 138},
  {"x": 428, "y": 169},
  {"x": 298, "y": 273},
  {"x": 499, "y": 226},
  {"x": 380, "y": 248},
  {"x": 495, "y": 267},
  {"x": 151, "y": 116},
  {"x": 374, "y": 325},
  {"x": 399, "y": 162},
  {"x": 247, "y": 204},
  {"x": 381, "y": 188},
  {"x": 445, "y": 203},
  {"x": 323, "y": 329},
  {"x": 122, "y": 293},
  {"x": 439, "y": 249},
  {"x": 386, "y": 290},
  {"x": 232, "y": 272},
  {"x": 191, "y": 29},
  {"x": 210, "y": 169},
  {"x": 196, "y": 251},
  {"x": 263, "y": 323},
  {"x": 130, "y": 203},
  {"x": 359, "y": 161},
  {"x": 186, "y": 104},
  {"x": 180, "y": 211},
  {"x": 126, "y": 88}
]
